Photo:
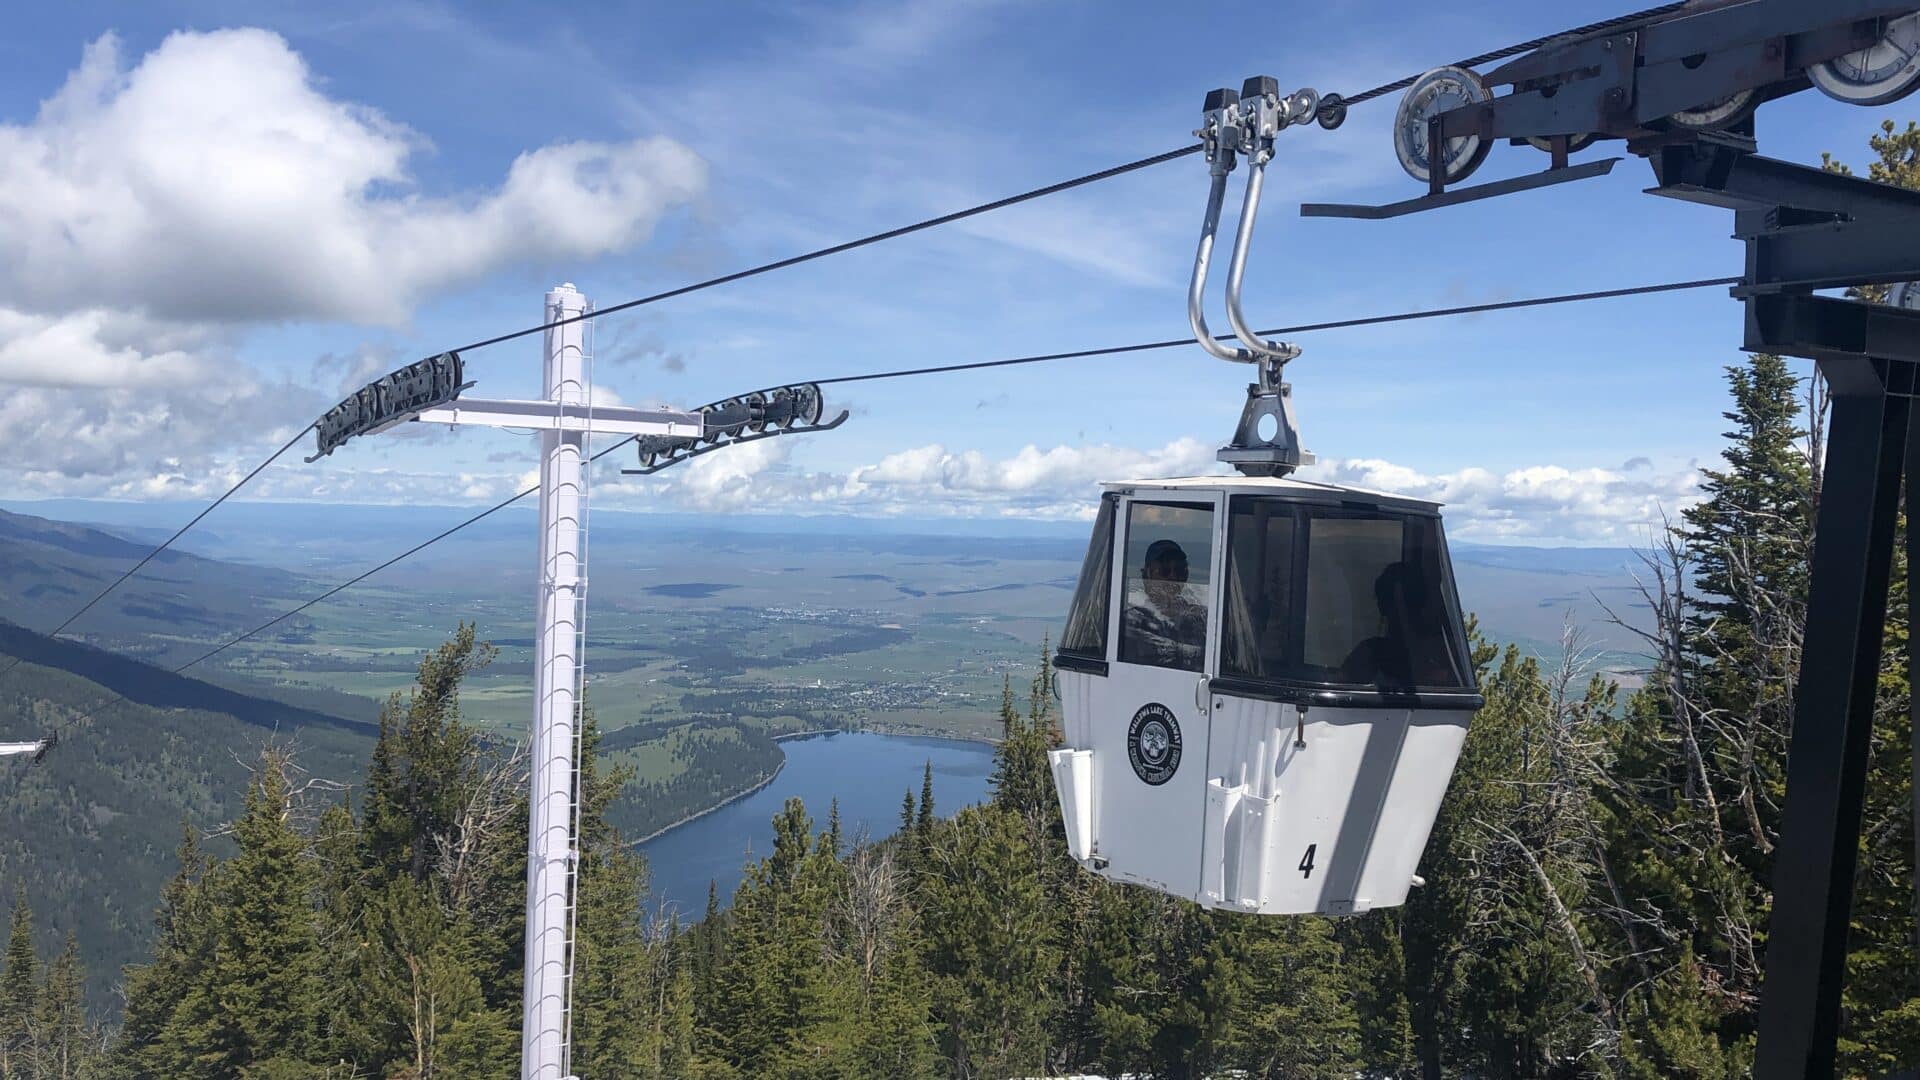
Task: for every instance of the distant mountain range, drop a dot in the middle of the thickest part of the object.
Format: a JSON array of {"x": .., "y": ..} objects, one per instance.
[{"x": 49, "y": 568}]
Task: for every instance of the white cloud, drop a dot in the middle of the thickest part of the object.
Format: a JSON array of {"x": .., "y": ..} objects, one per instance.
[
  {"x": 1543, "y": 504},
  {"x": 133, "y": 443},
  {"x": 935, "y": 471},
  {"x": 1546, "y": 503},
  {"x": 1080, "y": 237},
  {"x": 214, "y": 181},
  {"x": 151, "y": 213},
  {"x": 99, "y": 348}
]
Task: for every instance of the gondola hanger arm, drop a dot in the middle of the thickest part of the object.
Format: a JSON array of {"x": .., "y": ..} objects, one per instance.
[
  {"x": 1219, "y": 133},
  {"x": 1264, "y": 113},
  {"x": 1233, "y": 124}
]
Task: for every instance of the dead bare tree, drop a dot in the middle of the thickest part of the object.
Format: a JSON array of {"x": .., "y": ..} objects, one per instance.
[
  {"x": 1543, "y": 840},
  {"x": 872, "y": 909},
  {"x": 466, "y": 855}
]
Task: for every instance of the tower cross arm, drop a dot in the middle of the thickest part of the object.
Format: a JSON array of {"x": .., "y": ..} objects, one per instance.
[{"x": 548, "y": 416}]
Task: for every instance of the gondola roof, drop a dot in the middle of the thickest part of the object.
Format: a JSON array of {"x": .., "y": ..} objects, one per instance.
[{"x": 1284, "y": 486}]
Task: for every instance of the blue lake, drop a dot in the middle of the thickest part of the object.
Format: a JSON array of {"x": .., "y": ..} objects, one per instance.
[{"x": 867, "y": 773}]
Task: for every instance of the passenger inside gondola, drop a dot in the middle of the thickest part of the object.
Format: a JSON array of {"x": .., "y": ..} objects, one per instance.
[
  {"x": 1410, "y": 649},
  {"x": 1163, "y": 626},
  {"x": 1384, "y": 659}
]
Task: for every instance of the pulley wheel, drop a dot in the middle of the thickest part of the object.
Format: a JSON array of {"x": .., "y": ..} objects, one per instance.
[
  {"x": 1880, "y": 74},
  {"x": 1436, "y": 92},
  {"x": 807, "y": 404},
  {"x": 1715, "y": 115},
  {"x": 780, "y": 397},
  {"x": 756, "y": 403},
  {"x": 733, "y": 430},
  {"x": 1575, "y": 143}
]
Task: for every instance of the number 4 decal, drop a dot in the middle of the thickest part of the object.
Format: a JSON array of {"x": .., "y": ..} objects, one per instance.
[{"x": 1306, "y": 862}]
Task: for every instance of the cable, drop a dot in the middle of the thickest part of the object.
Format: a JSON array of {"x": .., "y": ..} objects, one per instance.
[
  {"x": 1371, "y": 320},
  {"x": 1515, "y": 50},
  {"x": 151, "y": 555},
  {"x": 890, "y": 234},
  {"x": 1117, "y": 350}
]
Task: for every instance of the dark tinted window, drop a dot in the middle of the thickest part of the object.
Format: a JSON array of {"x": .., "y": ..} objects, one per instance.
[
  {"x": 1258, "y": 621},
  {"x": 1169, "y": 561},
  {"x": 1346, "y": 597},
  {"x": 1086, "y": 633}
]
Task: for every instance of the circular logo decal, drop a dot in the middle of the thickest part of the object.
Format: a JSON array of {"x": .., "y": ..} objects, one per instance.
[{"x": 1153, "y": 743}]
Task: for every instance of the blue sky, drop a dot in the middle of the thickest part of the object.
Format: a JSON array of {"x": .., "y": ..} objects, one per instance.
[{"x": 234, "y": 212}]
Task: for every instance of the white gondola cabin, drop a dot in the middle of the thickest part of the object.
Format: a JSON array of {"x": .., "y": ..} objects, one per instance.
[{"x": 1265, "y": 684}]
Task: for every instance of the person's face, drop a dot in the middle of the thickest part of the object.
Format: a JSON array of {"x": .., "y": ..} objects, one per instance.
[{"x": 1164, "y": 580}]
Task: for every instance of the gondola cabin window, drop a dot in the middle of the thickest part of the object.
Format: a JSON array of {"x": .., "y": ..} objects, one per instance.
[
  {"x": 1168, "y": 574},
  {"x": 1340, "y": 597},
  {"x": 1086, "y": 633}
]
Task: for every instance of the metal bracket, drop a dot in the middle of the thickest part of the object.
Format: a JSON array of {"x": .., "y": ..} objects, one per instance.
[
  {"x": 1545, "y": 178},
  {"x": 1275, "y": 455}
]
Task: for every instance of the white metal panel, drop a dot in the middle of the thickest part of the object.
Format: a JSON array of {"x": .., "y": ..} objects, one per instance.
[
  {"x": 1073, "y": 782},
  {"x": 1361, "y": 795},
  {"x": 1419, "y": 783}
]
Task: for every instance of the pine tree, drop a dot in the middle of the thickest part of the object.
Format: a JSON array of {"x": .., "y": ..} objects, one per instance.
[
  {"x": 1021, "y": 779},
  {"x": 19, "y": 994},
  {"x": 65, "y": 1043},
  {"x": 1376, "y": 964},
  {"x": 257, "y": 1000},
  {"x": 423, "y": 762},
  {"x": 784, "y": 1005},
  {"x": 1290, "y": 1015},
  {"x": 632, "y": 991},
  {"x": 183, "y": 947},
  {"x": 923, "y": 821},
  {"x": 1165, "y": 980},
  {"x": 990, "y": 944}
]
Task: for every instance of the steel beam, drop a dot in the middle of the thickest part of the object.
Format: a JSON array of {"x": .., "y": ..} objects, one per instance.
[
  {"x": 1721, "y": 174},
  {"x": 570, "y": 416},
  {"x": 1870, "y": 251},
  {"x": 1833, "y": 718},
  {"x": 1823, "y": 328}
]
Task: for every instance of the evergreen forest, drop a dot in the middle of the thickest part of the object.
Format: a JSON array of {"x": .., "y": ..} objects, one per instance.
[{"x": 1595, "y": 904}]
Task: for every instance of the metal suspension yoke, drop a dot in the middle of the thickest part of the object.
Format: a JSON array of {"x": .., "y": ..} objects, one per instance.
[{"x": 1266, "y": 442}]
